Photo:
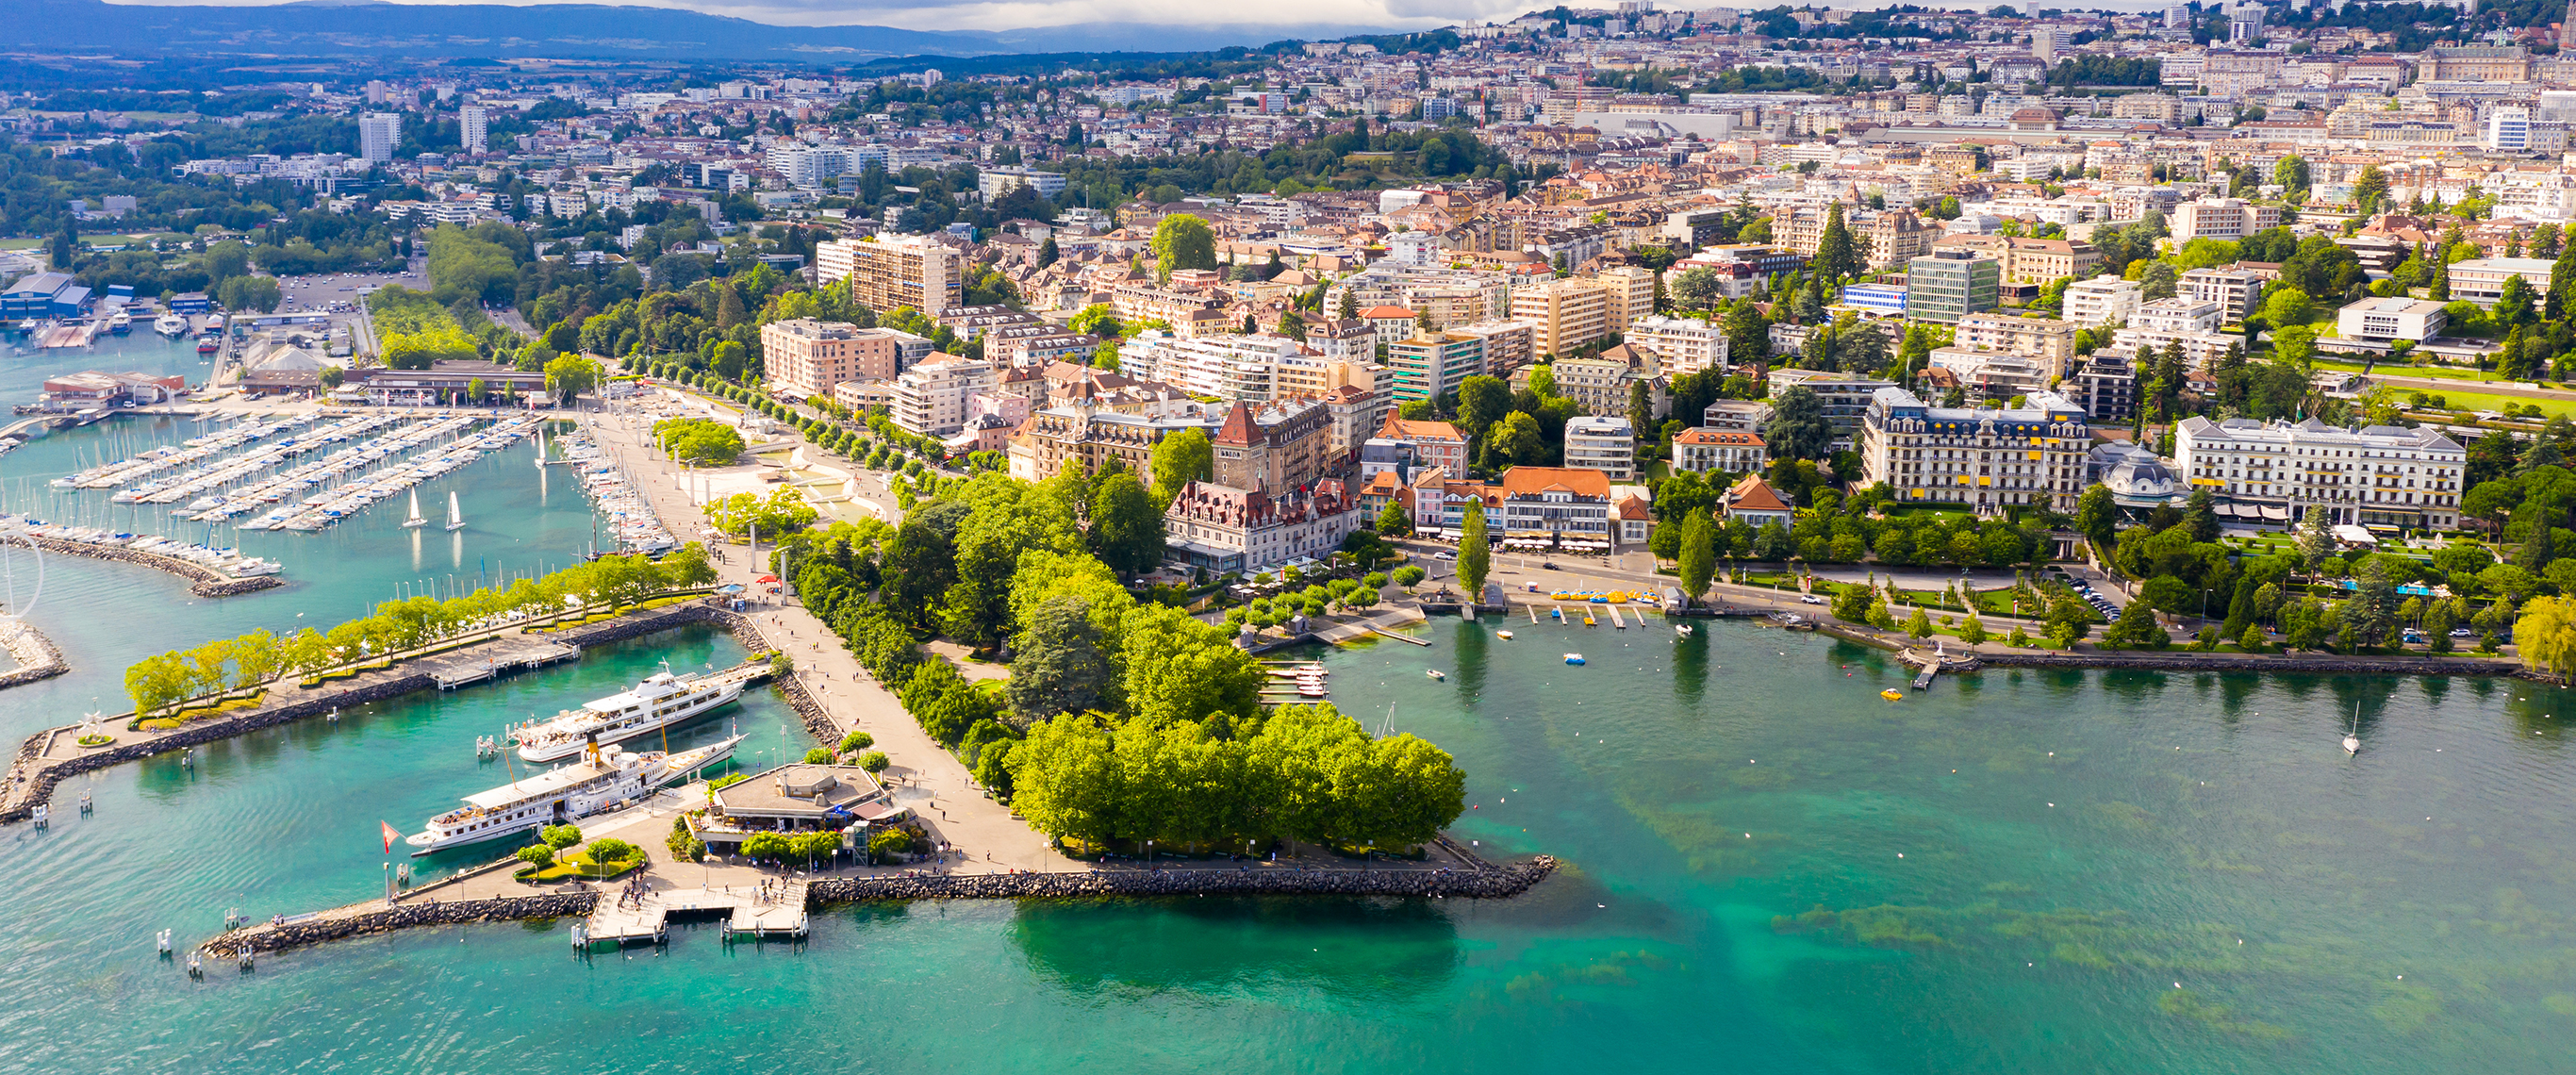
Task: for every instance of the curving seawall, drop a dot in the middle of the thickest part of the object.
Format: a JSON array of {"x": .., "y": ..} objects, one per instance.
[{"x": 205, "y": 581}]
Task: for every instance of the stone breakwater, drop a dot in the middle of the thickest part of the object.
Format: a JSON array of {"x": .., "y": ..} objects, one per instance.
[
  {"x": 1493, "y": 882},
  {"x": 205, "y": 581},
  {"x": 337, "y": 926},
  {"x": 2326, "y": 663},
  {"x": 32, "y": 779},
  {"x": 36, "y": 656},
  {"x": 34, "y": 782},
  {"x": 1483, "y": 881}
]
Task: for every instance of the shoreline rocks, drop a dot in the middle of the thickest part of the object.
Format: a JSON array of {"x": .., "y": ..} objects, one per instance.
[
  {"x": 205, "y": 581},
  {"x": 1481, "y": 881},
  {"x": 36, "y": 655}
]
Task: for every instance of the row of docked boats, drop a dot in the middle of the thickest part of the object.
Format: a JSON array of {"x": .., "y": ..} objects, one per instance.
[
  {"x": 228, "y": 561},
  {"x": 606, "y": 773},
  {"x": 173, "y": 488},
  {"x": 613, "y": 494},
  {"x": 326, "y": 508},
  {"x": 168, "y": 456}
]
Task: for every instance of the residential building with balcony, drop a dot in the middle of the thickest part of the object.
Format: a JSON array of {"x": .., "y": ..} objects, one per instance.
[
  {"x": 1988, "y": 459},
  {"x": 930, "y": 399},
  {"x": 1705, "y": 450},
  {"x": 2373, "y": 476},
  {"x": 1603, "y": 443},
  {"x": 807, "y": 358}
]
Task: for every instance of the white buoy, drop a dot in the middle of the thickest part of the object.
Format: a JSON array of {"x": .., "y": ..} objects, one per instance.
[{"x": 163, "y": 940}]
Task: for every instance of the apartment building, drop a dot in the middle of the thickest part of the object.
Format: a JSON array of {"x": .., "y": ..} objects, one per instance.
[
  {"x": 807, "y": 358},
  {"x": 1947, "y": 285},
  {"x": 2107, "y": 386},
  {"x": 930, "y": 399},
  {"x": 1278, "y": 446},
  {"x": 2234, "y": 290},
  {"x": 1630, "y": 294},
  {"x": 883, "y": 274},
  {"x": 1988, "y": 459},
  {"x": 2481, "y": 280},
  {"x": 2045, "y": 340},
  {"x": 1736, "y": 415},
  {"x": 1450, "y": 296},
  {"x": 1225, "y": 367},
  {"x": 2102, "y": 300},
  {"x": 1602, "y": 383},
  {"x": 2193, "y": 323},
  {"x": 1568, "y": 313},
  {"x": 1603, "y": 443},
  {"x": 1565, "y": 507},
  {"x": 1680, "y": 345},
  {"x": 2373, "y": 476},
  {"x": 2221, "y": 218},
  {"x": 1705, "y": 450},
  {"x": 1430, "y": 366},
  {"x": 1422, "y": 443},
  {"x": 2392, "y": 318}
]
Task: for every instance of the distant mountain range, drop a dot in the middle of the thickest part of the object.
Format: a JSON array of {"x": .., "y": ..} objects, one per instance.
[{"x": 568, "y": 31}]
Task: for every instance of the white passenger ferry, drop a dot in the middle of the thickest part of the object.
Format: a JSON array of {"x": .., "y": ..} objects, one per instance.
[
  {"x": 609, "y": 775},
  {"x": 661, "y": 700}
]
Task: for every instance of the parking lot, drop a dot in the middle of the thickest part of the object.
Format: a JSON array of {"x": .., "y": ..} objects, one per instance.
[{"x": 339, "y": 292}]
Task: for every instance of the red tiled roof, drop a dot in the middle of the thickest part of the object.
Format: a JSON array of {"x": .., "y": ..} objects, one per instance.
[{"x": 1531, "y": 481}]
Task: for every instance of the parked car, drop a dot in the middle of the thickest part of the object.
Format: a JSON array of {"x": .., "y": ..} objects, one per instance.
[
  {"x": 2463, "y": 632},
  {"x": 1444, "y": 554}
]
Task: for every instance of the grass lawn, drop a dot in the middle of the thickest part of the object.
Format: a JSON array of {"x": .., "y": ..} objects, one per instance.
[
  {"x": 32, "y": 242},
  {"x": 2480, "y": 401},
  {"x": 2400, "y": 369}
]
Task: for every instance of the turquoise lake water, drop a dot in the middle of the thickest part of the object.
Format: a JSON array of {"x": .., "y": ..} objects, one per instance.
[{"x": 2101, "y": 872}]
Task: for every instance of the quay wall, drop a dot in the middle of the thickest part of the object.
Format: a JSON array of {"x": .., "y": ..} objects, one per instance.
[
  {"x": 205, "y": 581},
  {"x": 2185, "y": 661},
  {"x": 35, "y": 781},
  {"x": 1484, "y": 881}
]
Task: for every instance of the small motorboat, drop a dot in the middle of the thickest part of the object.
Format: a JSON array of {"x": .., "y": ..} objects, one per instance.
[
  {"x": 1892, "y": 694},
  {"x": 1556, "y": 614},
  {"x": 1588, "y": 621},
  {"x": 1574, "y": 658},
  {"x": 1434, "y": 673},
  {"x": 1682, "y": 629},
  {"x": 1504, "y": 635}
]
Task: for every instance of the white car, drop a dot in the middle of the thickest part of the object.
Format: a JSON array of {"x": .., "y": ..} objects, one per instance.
[
  {"x": 1810, "y": 599},
  {"x": 1444, "y": 554}
]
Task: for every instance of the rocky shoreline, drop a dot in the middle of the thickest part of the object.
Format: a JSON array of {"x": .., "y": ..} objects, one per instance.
[
  {"x": 36, "y": 655},
  {"x": 1482, "y": 881},
  {"x": 205, "y": 581}
]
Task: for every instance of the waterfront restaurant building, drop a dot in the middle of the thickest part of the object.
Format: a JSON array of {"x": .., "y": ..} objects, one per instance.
[{"x": 793, "y": 798}]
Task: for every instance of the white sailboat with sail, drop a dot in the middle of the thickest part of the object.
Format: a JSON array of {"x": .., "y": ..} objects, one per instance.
[
  {"x": 455, "y": 514},
  {"x": 416, "y": 519}
]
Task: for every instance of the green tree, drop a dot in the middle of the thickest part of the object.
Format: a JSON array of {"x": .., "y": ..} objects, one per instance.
[
  {"x": 1837, "y": 257},
  {"x": 1126, "y": 526},
  {"x": 569, "y": 376},
  {"x": 1059, "y": 664},
  {"x": 1475, "y": 557},
  {"x": 1798, "y": 428},
  {"x": 1180, "y": 459},
  {"x": 1183, "y": 241},
  {"x": 1697, "y": 562},
  {"x": 1919, "y": 625},
  {"x": 1482, "y": 401},
  {"x": 1394, "y": 521}
]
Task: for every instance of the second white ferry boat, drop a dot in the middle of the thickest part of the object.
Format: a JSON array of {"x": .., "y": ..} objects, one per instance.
[
  {"x": 661, "y": 700},
  {"x": 609, "y": 775}
]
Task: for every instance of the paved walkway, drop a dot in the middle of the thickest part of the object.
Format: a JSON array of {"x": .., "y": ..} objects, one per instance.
[{"x": 924, "y": 775}]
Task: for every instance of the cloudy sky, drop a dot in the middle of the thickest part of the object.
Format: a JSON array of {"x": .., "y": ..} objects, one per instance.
[{"x": 1022, "y": 14}]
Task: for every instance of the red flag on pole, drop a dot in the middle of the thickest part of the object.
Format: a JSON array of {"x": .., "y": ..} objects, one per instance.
[{"x": 389, "y": 836}]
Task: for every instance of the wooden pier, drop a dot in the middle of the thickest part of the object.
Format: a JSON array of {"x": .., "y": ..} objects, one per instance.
[{"x": 537, "y": 656}]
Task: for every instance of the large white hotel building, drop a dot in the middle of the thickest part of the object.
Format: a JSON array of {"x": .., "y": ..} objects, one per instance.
[{"x": 2377, "y": 475}]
